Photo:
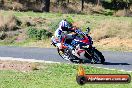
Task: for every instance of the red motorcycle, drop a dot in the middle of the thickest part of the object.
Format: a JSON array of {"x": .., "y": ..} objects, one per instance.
[{"x": 80, "y": 49}]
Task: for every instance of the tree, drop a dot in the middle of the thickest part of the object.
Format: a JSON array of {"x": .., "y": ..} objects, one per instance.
[
  {"x": 46, "y": 8},
  {"x": 98, "y": 2},
  {"x": 130, "y": 1},
  {"x": 67, "y": 1},
  {"x": 82, "y": 7}
]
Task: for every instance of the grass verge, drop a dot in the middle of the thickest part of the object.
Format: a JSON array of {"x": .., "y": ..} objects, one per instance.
[
  {"x": 30, "y": 43},
  {"x": 54, "y": 76}
]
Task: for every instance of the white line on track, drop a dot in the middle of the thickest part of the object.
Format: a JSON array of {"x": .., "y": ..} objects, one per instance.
[
  {"x": 28, "y": 60},
  {"x": 112, "y": 69},
  {"x": 33, "y": 60}
]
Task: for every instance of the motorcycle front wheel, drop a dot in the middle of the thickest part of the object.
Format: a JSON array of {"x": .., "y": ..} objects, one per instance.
[
  {"x": 63, "y": 54},
  {"x": 67, "y": 55}
]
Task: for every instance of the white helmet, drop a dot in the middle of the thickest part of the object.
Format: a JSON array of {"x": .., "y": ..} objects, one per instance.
[{"x": 63, "y": 25}]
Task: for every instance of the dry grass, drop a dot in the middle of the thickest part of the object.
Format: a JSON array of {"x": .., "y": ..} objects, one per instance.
[
  {"x": 2, "y": 23},
  {"x": 124, "y": 12},
  {"x": 113, "y": 35},
  {"x": 18, "y": 66},
  {"x": 75, "y": 7},
  {"x": 13, "y": 6},
  {"x": 8, "y": 23},
  {"x": 114, "y": 44},
  {"x": 11, "y": 22},
  {"x": 113, "y": 28},
  {"x": 90, "y": 8},
  {"x": 41, "y": 43}
]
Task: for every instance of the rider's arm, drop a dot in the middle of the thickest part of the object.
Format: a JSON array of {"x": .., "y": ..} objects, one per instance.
[
  {"x": 62, "y": 41},
  {"x": 72, "y": 29},
  {"x": 58, "y": 35}
]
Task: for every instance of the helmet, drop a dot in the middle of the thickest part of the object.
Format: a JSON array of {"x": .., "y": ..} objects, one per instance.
[{"x": 63, "y": 25}]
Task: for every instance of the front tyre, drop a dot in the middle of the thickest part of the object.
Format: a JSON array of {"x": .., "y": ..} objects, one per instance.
[
  {"x": 67, "y": 55},
  {"x": 64, "y": 54}
]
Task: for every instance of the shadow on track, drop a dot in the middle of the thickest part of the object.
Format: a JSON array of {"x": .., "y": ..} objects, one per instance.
[
  {"x": 107, "y": 63},
  {"x": 110, "y": 63}
]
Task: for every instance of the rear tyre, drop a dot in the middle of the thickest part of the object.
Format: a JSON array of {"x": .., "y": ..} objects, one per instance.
[{"x": 98, "y": 57}]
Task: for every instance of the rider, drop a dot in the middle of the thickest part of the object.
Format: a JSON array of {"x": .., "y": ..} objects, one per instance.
[{"x": 62, "y": 33}]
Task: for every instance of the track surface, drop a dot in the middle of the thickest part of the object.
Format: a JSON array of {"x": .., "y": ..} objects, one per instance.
[{"x": 114, "y": 60}]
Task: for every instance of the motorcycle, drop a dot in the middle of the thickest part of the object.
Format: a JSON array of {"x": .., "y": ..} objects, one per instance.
[{"x": 80, "y": 49}]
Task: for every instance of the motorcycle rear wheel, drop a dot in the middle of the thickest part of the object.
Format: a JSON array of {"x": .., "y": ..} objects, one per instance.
[{"x": 98, "y": 57}]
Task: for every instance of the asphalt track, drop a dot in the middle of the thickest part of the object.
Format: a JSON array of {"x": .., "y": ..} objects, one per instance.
[{"x": 114, "y": 60}]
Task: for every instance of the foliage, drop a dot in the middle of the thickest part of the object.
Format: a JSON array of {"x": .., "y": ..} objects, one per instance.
[
  {"x": 102, "y": 28},
  {"x": 54, "y": 24},
  {"x": 38, "y": 34},
  {"x": 3, "y": 35},
  {"x": 9, "y": 23},
  {"x": 64, "y": 6},
  {"x": 70, "y": 20},
  {"x": 55, "y": 76}
]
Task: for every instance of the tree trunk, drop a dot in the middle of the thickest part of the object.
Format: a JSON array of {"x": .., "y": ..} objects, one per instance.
[
  {"x": 127, "y": 5},
  {"x": 98, "y": 2},
  {"x": 82, "y": 7},
  {"x": 47, "y": 5},
  {"x": 2, "y": 2},
  {"x": 67, "y": 1}
]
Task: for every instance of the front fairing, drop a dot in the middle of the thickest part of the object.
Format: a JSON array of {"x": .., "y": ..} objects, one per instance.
[{"x": 82, "y": 41}]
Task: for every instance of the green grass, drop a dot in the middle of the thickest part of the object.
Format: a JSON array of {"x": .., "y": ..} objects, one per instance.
[
  {"x": 30, "y": 43},
  {"x": 111, "y": 26},
  {"x": 17, "y": 43},
  {"x": 55, "y": 76},
  {"x": 89, "y": 20}
]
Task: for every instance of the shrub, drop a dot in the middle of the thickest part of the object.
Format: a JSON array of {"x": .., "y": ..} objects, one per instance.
[
  {"x": 12, "y": 23},
  {"x": 54, "y": 24},
  {"x": 70, "y": 20},
  {"x": 10, "y": 40},
  {"x": 3, "y": 35},
  {"x": 33, "y": 33},
  {"x": 8, "y": 23},
  {"x": 45, "y": 34},
  {"x": 12, "y": 5},
  {"x": 125, "y": 12}
]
